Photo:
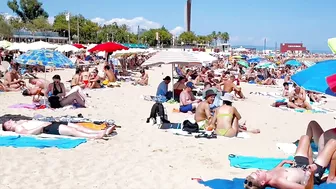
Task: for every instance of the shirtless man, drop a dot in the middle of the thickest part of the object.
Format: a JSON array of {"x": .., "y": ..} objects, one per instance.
[
  {"x": 84, "y": 77},
  {"x": 34, "y": 127},
  {"x": 203, "y": 114},
  {"x": 143, "y": 79},
  {"x": 229, "y": 86},
  {"x": 109, "y": 74},
  {"x": 188, "y": 102},
  {"x": 297, "y": 99},
  {"x": 12, "y": 79},
  {"x": 226, "y": 117},
  {"x": 94, "y": 81},
  {"x": 295, "y": 176},
  {"x": 202, "y": 76},
  {"x": 75, "y": 81}
]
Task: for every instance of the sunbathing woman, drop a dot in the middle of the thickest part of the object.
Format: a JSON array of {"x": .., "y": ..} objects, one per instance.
[
  {"x": 320, "y": 137},
  {"x": 33, "y": 127},
  {"x": 58, "y": 99},
  {"x": 295, "y": 177},
  {"x": 226, "y": 119},
  {"x": 4, "y": 88}
]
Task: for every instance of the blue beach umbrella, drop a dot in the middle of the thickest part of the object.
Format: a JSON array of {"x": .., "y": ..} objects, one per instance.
[
  {"x": 314, "y": 77},
  {"x": 293, "y": 63},
  {"x": 45, "y": 57}
]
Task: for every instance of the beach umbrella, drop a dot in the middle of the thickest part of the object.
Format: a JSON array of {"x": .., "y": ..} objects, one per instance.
[
  {"x": 38, "y": 45},
  {"x": 237, "y": 57},
  {"x": 264, "y": 65},
  {"x": 45, "y": 57},
  {"x": 67, "y": 48},
  {"x": 79, "y": 46},
  {"x": 314, "y": 78},
  {"x": 332, "y": 44},
  {"x": 108, "y": 47},
  {"x": 331, "y": 81},
  {"x": 254, "y": 60},
  {"x": 294, "y": 63},
  {"x": 243, "y": 63},
  {"x": 5, "y": 44}
]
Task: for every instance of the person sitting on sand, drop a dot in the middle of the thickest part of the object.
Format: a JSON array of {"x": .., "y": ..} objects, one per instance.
[
  {"x": 179, "y": 86},
  {"x": 58, "y": 98},
  {"x": 12, "y": 79},
  {"x": 94, "y": 80},
  {"x": 301, "y": 168},
  {"x": 203, "y": 114},
  {"x": 297, "y": 99},
  {"x": 84, "y": 76},
  {"x": 314, "y": 97},
  {"x": 143, "y": 81},
  {"x": 109, "y": 74},
  {"x": 217, "y": 101},
  {"x": 230, "y": 87},
  {"x": 4, "y": 88},
  {"x": 162, "y": 89},
  {"x": 285, "y": 91},
  {"x": 188, "y": 102},
  {"x": 75, "y": 81},
  {"x": 202, "y": 76},
  {"x": 34, "y": 127},
  {"x": 226, "y": 117}
]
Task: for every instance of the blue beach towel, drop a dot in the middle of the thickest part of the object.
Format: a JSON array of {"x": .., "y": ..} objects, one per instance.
[
  {"x": 249, "y": 162},
  {"x": 24, "y": 141},
  {"x": 238, "y": 183}
]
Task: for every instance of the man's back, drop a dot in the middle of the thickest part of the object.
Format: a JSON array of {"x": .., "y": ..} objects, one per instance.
[{"x": 200, "y": 111}]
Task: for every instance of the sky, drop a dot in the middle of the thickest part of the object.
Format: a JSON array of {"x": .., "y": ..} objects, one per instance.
[{"x": 247, "y": 22}]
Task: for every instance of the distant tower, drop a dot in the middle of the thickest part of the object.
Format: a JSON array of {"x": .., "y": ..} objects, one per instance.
[{"x": 188, "y": 16}]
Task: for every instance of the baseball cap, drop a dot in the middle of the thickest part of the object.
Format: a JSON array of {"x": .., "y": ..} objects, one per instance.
[{"x": 190, "y": 85}]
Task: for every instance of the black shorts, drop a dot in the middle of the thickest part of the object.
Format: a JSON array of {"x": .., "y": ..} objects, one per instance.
[
  {"x": 53, "y": 128},
  {"x": 303, "y": 162}
]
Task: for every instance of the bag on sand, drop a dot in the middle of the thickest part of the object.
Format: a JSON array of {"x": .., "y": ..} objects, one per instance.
[
  {"x": 158, "y": 110},
  {"x": 190, "y": 127}
]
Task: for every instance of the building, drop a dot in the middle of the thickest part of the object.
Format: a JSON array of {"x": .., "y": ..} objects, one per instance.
[
  {"x": 295, "y": 48},
  {"x": 188, "y": 16},
  {"x": 47, "y": 36}
]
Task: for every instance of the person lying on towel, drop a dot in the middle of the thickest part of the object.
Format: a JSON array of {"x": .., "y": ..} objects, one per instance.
[
  {"x": 297, "y": 176},
  {"x": 34, "y": 127}
]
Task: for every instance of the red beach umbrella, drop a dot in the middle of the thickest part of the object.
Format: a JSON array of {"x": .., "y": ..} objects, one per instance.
[
  {"x": 331, "y": 81},
  {"x": 80, "y": 46},
  {"x": 108, "y": 47}
]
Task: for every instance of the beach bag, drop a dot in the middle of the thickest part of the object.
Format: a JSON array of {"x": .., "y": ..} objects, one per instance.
[
  {"x": 190, "y": 127},
  {"x": 158, "y": 110}
]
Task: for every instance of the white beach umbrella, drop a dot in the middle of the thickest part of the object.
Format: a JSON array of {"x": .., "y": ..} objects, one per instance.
[
  {"x": 18, "y": 46},
  {"x": 67, "y": 48},
  {"x": 40, "y": 45},
  {"x": 5, "y": 44},
  {"x": 205, "y": 58}
]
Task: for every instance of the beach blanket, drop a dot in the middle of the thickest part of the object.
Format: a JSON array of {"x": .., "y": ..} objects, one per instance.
[
  {"x": 153, "y": 98},
  {"x": 28, "y": 106},
  {"x": 238, "y": 183},
  {"x": 26, "y": 141},
  {"x": 313, "y": 111},
  {"x": 274, "y": 95}
]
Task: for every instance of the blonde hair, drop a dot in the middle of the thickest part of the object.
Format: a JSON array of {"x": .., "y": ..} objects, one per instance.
[{"x": 255, "y": 184}]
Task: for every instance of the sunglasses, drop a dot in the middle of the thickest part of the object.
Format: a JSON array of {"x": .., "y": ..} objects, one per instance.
[{"x": 248, "y": 183}]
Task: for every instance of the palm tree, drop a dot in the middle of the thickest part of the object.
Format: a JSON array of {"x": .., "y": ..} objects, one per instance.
[{"x": 225, "y": 36}]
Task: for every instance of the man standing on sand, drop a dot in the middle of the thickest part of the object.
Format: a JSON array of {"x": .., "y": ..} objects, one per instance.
[
  {"x": 109, "y": 74},
  {"x": 229, "y": 86},
  {"x": 203, "y": 114}
]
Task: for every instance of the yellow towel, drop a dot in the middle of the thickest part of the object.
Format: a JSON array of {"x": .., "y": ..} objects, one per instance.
[{"x": 93, "y": 126}]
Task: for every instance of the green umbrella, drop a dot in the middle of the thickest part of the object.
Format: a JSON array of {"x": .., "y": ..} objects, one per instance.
[
  {"x": 243, "y": 63},
  {"x": 266, "y": 65}
]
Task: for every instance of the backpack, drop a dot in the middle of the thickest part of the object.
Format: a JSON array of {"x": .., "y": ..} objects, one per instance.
[
  {"x": 158, "y": 110},
  {"x": 190, "y": 127}
]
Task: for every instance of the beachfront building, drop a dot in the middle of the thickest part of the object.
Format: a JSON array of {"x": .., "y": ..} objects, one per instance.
[
  {"x": 294, "y": 48},
  {"x": 28, "y": 36}
]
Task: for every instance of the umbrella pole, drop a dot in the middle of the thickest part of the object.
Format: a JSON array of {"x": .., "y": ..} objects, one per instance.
[
  {"x": 172, "y": 77},
  {"x": 45, "y": 78}
]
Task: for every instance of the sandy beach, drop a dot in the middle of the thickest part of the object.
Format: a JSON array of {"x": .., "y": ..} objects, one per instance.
[{"x": 140, "y": 155}]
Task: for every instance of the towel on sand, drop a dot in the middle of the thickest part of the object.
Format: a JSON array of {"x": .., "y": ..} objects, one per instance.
[
  {"x": 25, "y": 141},
  {"x": 249, "y": 162},
  {"x": 238, "y": 183}
]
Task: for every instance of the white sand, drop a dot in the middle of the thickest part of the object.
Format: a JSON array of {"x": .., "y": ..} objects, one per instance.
[{"x": 142, "y": 156}]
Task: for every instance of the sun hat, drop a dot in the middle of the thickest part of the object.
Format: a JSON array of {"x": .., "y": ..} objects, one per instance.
[
  {"x": 227, "y": 97},
  {"x": 210, "y": 92}
]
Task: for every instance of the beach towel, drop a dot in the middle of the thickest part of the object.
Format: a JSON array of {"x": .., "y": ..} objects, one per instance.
[
  {"x": 28, "y": 106},
  {"x": 313, "y": 111},
  {"x": 25, "y": 141},
  {"x": 250, "y": 162},
  {"x": 238, "y": 183}
]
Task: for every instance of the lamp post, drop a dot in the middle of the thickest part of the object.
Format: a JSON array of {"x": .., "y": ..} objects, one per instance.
[{"x": 128, "y": 38}]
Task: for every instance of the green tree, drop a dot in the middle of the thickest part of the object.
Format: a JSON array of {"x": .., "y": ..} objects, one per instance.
[
  {"x": 188, "y": 37},
  {"x": 16, "y": 23},
  {"x": 203, "y": 39},
  {"x": 165, "y": 37},
  {"x": 38, "y": 24},
  {"x": 225, "y": 37},
  {"x": 27, "y": 9},
  {"x": 5, "y": 28}
]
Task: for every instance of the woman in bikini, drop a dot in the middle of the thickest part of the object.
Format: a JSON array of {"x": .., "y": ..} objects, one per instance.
[
  {"x": 301, "y": 167},
  {"x": 226, "y": 119},
  {"x": 58, "y": 98},
  {"x": 297, "y": 99}
]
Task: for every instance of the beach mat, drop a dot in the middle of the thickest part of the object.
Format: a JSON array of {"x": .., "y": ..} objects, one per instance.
[
  {"x": 250, "y": 162},
  {"x": 238, "y": 183},
  {"x": 25, "y": 141}
]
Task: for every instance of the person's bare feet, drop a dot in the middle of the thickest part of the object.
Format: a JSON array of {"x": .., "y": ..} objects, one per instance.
[
  {"x": 255, "y": 131},
  {"x": 109, "y": 130},
  {"x": 100, "y": 135},
  {"x": 331, "y": 180}
]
